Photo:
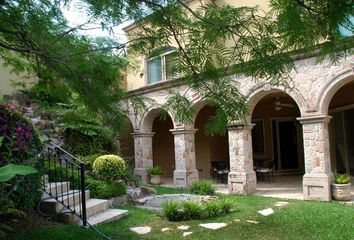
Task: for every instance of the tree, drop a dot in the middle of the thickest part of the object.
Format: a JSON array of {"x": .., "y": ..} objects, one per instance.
[{"x": 35, "y": 36}]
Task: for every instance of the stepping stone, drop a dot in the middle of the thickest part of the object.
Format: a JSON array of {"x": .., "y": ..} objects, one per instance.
[
  {"x": 251, "y": 221},
  {"x": 187, "y": 233},
  {"x": 280, "y": 204},
  {"x": 165, "y": 229},
  {"x": 266, "y": 212},
  {"x": 237, "y": 220},
  {"x": 213, "y": 226},
  {"x": 141, "y": 230},
  {"x": 183, "y": 227}
]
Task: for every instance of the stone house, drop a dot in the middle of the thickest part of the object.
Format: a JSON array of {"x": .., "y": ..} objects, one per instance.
[{"x": 306, "y": 130}]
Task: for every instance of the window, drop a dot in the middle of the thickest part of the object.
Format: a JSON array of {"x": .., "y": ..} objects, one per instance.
[
  {"x": 258, "y": 137},
  {"x": 160, "y": 68}
]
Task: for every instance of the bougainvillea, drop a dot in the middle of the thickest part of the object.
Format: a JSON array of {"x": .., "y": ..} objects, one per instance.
[{"x": 19, "y": 144}]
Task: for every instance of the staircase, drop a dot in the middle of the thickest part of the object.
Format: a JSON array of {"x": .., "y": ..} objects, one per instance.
[
  {"x": 58, "y": 195},
  {"x": 72, "y": 205}
]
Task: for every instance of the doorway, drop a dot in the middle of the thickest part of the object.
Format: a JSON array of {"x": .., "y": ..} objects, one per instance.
[{"x": 286, "y": 144}]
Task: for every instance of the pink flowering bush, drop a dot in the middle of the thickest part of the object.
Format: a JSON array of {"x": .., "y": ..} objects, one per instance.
[{"x": 19, "y": 144}]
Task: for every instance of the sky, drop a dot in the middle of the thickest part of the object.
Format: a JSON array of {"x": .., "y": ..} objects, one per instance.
[{"x": 76, "y": 16}]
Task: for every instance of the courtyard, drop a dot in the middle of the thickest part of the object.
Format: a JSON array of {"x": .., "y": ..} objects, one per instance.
[{"x": 295, "y": 220}]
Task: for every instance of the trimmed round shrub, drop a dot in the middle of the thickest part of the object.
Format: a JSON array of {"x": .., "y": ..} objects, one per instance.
[
  {"x": 203, "y": 188},
  {"x": 19, "y": 144},
  {"x": 109, "y": 167}
]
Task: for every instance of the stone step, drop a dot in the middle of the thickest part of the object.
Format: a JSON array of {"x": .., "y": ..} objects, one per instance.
[
  {"x": 57, "y": 188},
  {"x": 73, "y": 197},
  {"x": 93, "y": 207},
  {"x": 107, "y": 216}
]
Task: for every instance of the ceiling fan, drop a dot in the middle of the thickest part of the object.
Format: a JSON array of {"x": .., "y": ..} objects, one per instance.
[{"x": 277, "y": 105}]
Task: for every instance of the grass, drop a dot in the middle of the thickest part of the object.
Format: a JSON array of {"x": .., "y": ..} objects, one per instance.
[{"x": 297, "y": 220}]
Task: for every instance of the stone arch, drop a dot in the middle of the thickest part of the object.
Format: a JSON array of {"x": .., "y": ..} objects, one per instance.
[
  {"x": 255, "y": 94},
  {"x": 149, "y": 116},
  {"x": 197, "y": 106},
  {"x": 329, "y": 90},
  {"x": 132, "y": 120},
  {"x": 126, "y": 142}
]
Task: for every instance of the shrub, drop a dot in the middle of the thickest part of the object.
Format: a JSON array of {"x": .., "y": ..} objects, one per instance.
[
  {"x": 109, "y": 167},
  {"x": 341, "y": 178},
  {"x": 105, "y": 189},
  {"x": 211, "y": 208},
  {"x": 131, "y": 177},
  {"x": 88, "y": 160},
  {"x": 225, "y": 205},
  {"x": 191, "y": 210},
  {"x": 19, "y": 144},
  {"x": 203, "y": 188},
  {"x": 98, "y": 188},
  {"x": 187, "y": 210},
  {"x": 154, "y": 170},
  {"x": 171, "y": 211}
]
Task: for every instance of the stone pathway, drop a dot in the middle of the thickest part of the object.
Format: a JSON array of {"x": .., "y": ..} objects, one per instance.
[
  {"x": 213, "y": 226},
  {"x": 251, "y": 221},
  {"x": 266, "y": 212},
  {"x": 187, "y": 233},
  {"x": 141, "y": 230},
  {"x": 183, "y": 227}
]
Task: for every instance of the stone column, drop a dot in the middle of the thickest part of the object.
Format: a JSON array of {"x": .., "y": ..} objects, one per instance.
[
  {"x": 318, "y": 175},
  {"x": 242, "y": 178},
  {"x": 143, "y": 154},
  {"x": 185, "y": 172}
]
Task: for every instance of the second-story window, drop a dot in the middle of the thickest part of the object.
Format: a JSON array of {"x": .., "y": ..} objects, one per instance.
[{"x": 159, "y": 68}]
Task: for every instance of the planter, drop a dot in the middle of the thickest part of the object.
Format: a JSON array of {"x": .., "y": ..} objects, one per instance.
[
  {"x": 155, "y": 179},
  {"x": 341, "y": 192}
]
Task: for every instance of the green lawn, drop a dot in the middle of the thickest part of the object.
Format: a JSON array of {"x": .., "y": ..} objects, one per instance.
[{"x": 297, "y": 220}]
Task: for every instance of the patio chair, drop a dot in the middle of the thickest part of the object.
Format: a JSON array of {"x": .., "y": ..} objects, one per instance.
[
  {"x": 266, "y": 169},
  {"x": 219, "y": 170}
]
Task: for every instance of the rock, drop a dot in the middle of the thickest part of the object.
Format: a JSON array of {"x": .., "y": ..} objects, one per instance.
[
  {"x": 165, "y": 229},
  {"x": 213, "y": 226},
  {"x": 147, "y": 191},
  {"x": 237, "y": 220},
  {"x": 251, "y": 221},
  {"x": 183, "y": 227},
  {"x": 266, "y": 212},
  {"x": 134, "y": 194},
  {"x": 141, "y": 230},
  {"x": 21, "y": 98},
  {"x": 119, "y": 201},
  {"x": 36, "y": 120},
  {"x": 187, "y": 233}
]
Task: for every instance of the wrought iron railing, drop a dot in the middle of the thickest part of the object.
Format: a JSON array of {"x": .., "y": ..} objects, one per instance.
[{"x": 64, "y": 170}]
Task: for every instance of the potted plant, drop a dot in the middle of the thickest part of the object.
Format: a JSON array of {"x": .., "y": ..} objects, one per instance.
[
  {"x": 341, "y": 187},
  {"x": 155, "y": 173}
]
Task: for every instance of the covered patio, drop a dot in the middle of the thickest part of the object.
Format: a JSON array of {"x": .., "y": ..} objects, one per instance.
[{"x": 284, "y": 186}]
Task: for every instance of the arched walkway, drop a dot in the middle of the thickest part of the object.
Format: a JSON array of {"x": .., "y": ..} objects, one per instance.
[
  {"x": 126, "y": 144},
  {"x": 163, "y": 145},
  {"x": 276, "y": 134},
  {"x": 341, "y": 128},
  {"x": 211, "y": 151}
]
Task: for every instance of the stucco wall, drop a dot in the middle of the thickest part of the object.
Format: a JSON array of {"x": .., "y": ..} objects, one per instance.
[{"x": 6, "y": 78}]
